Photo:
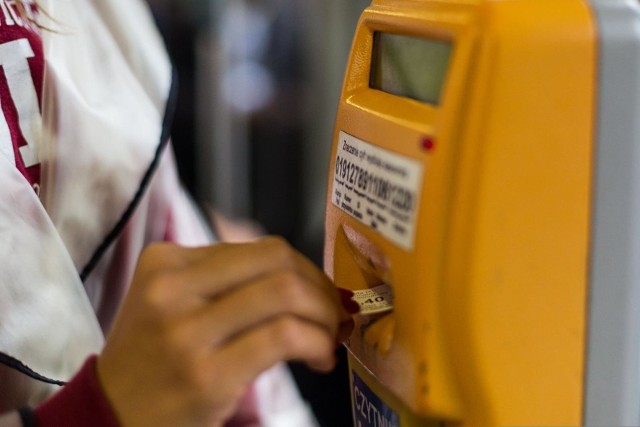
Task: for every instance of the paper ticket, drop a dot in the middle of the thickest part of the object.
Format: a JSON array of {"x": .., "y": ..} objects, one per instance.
[{"x": 374, "y": 300}]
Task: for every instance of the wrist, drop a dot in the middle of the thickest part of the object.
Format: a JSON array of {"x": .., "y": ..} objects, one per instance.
[{"x": 80, "y": 403}]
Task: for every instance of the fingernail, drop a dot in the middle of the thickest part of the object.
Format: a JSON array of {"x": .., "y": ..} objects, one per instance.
[
  {"x": 346, "y": 292},
  {"x": 348, "y": 303},
  {"x": 346, "y": 297},
  {"x": 351, "y": 306}
]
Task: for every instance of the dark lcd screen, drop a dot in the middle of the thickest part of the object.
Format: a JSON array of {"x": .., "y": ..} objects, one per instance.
[{"x": 409, "y": 66}]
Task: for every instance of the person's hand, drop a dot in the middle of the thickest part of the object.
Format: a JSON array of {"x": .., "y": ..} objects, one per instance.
[{"x": 200, "y": 324}]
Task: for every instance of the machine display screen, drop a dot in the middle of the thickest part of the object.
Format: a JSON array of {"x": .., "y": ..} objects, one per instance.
[{"x": 409, "y": 66}]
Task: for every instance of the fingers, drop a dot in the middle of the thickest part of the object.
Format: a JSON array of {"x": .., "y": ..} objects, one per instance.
[
  {"x": 217, "y": 269},
  {"x": 285, "y": 338},
  {"x": 226, "y": 289},
  {"x": 278, "y": 294},
  {"x": 199, "y": 324},
  {"x": 268, "y": 275}
]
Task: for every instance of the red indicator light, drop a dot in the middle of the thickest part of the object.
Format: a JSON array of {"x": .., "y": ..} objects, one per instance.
[{"x": 427, "y": 143}]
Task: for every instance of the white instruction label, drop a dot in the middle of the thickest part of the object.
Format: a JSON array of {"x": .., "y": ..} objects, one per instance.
[
  {"x": 374, "y": 300},
  {"x": 378, "y": 187}
]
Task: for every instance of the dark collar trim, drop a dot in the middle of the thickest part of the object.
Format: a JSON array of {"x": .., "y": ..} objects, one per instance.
[
  {"x": 14, "y": 363},
  {"x": 122, "y": 222}
]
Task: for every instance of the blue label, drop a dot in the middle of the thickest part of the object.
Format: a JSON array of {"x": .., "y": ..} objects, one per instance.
[{"x": 369, "y": 409}]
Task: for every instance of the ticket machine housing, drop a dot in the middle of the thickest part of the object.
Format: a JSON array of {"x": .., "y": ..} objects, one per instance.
[{"x": 492, "y": 285}]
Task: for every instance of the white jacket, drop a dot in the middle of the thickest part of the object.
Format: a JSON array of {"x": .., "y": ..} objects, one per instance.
[{"x": 108, "y": 188}]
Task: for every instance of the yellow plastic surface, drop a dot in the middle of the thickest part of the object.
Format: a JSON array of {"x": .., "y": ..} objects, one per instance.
[{"x": 488, "y": 328}]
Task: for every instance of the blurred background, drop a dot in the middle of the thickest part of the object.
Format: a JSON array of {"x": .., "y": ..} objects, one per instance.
[{"x": 259, "y": 83}]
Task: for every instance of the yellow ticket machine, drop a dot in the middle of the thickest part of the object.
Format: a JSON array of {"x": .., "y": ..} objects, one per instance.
[{"x": 484, "y": 183}]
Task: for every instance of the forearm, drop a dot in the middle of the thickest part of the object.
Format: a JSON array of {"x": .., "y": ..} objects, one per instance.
[{"x": 12, "y": 419}]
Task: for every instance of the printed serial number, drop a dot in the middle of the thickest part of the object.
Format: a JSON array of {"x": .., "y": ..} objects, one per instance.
[{"x": 375, "y": 186}]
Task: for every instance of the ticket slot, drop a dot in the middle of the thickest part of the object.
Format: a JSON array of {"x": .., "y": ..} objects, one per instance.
[{"x": 363, "y": 269}]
